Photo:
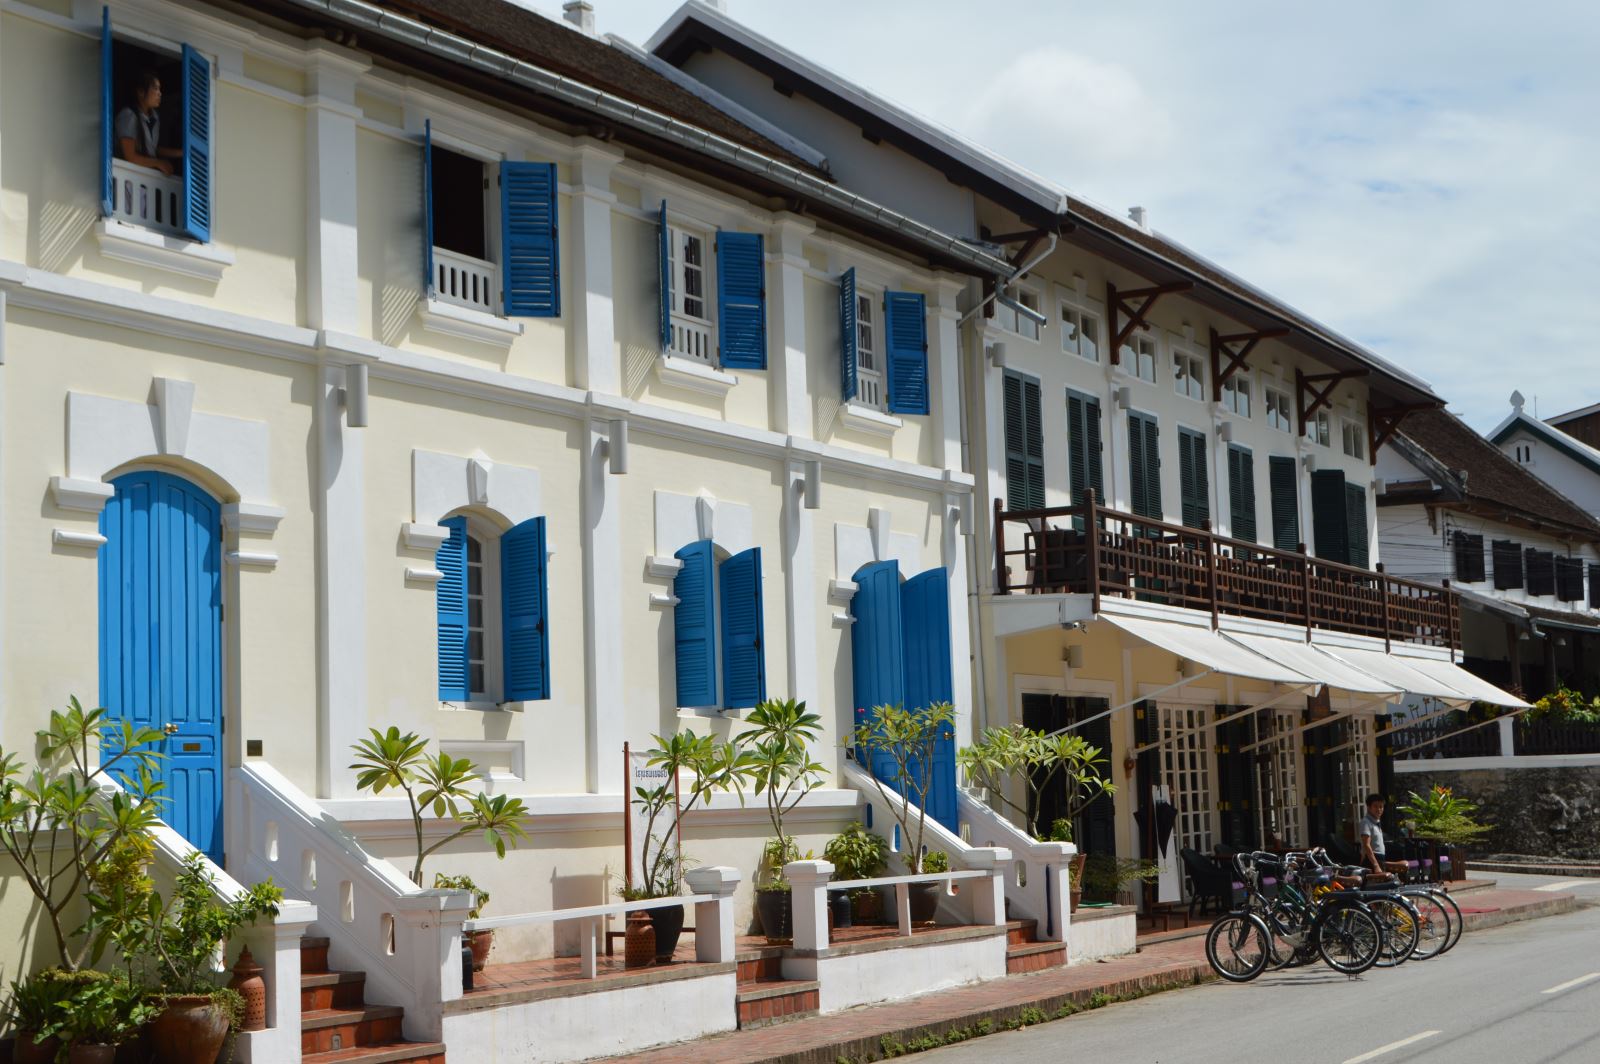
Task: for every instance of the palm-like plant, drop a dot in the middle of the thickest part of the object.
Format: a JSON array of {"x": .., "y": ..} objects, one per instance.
[
  {"x": 707, "y": 765},
  {"x": 436, "y": 783},
  {"x": 1039, "y": 760},
  {"x": 905, "y": 739},
  {"x": 778, "y": 762}
]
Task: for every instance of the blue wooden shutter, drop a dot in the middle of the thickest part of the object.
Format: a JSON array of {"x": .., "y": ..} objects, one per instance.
[
  {"x": 1193, "y": 479},
  {"x": 925, "y": 639},
  {"x": 744, "y": 670},
  {"x": 664, "y": 267},
  {"x": 523, "y": 607},
  {"x": 196, "y": 145},
  {"x": 741, "y": 301},
  {"x": 905, "y": 323},
  {"x": 694, "y": 626},
  {"x": 529, "y": 240},
  {"x": 877, "y": 652},
  {"x": 430, "y": 284},
  {"x": 1283, "y": 478},
  {"x": 451, "y": 597},
  {"x": 847, "y": 335},
  {"x": 108, "y": 115}
]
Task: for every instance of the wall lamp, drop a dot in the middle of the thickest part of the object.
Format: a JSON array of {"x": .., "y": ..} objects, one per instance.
[
  {"x": 354, "y": 395},
  {"x": 962, "y": 512},
  {"x": 614, "y": 448},
  {"x": 997, "y": 354},
  {"x": 810, "y": 484}
]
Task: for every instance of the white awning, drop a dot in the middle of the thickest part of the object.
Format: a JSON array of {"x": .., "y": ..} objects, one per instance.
[
  {"x": 1398, "y": 673},
  {"x": 1475, "y": 687},
  {"x": 1205, "y": 647},
  {"x": 1317, "y": 663}
]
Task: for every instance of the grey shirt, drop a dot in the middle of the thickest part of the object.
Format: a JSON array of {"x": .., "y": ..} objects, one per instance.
[
  {"x": 1369, "y": 826},
  {"x": 145, "y": 130}
]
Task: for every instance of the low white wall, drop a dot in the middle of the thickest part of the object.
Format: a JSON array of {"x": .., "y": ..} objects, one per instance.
[
  {"x": 850, "y": 976},
  {"x": 1102, "y": 934},
  {"x": 568, "y": 1027}
]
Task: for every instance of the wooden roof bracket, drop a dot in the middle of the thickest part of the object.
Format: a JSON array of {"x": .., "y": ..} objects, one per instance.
[
  {"x": 1319, "y": 386},
  {"x": 1223, "y": 351},
  {"x": 1135, "y": 304},
  {"x": 1383, "y": 424}
]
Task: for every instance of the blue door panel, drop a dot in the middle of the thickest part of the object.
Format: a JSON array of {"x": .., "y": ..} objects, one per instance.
[
  {"x": 925, "y": 621},
  {"x": 160, "y": 638},
  {"x": 877, "y": 653}
]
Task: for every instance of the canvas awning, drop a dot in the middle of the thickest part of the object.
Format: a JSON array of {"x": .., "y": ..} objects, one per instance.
[
  {"x": 1397, "y": 673},
  {"x": 1313, "y": 661},
  {"x": 1206, "y": 648},
  {"x": 1474, "y": 687}
]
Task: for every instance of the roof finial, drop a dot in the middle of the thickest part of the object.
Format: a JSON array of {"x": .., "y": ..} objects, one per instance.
[{"x": 1517, "y": 402}]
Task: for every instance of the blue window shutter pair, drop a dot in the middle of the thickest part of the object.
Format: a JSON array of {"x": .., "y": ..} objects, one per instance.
[
  {"x": 529, "y": 240},
  {"x": 744, "y": 674},
  {"x": 664, "y": 269},
  {"x": 905, "y": 323},
  {"x": 741, "y": 301},
  {"x": 430, "y": 282},
  {"x": 524, "y": 597},
  {"x": 847, "y": 335},
  {"x": 694, "y": 624},
  {"x": 695, "y": 628}
]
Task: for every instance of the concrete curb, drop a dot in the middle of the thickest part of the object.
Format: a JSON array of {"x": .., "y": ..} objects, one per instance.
[
  {"x": 1576, "y": 870},
  {"x": 1556, "y": 906}
]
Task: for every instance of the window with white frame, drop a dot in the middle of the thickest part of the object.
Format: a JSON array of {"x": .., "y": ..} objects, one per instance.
[
  {"x": 1322, "y": 429},
  {"x": 478, "y": 632},
  {"x": 1350, "y": 437},
  {"x": 869, "y": 355},
  {"x": 1080, "y": 332},
  {"x": 1139, "y": 358},
  {"x": 155, "y": 151},
  {"x": 1012, "y": 321},
  {"x": 1236, "y": 394},
  {"x": 1188, "y": 375},
  {"x": 1278, "y": 413},
  {"x": 691, "y": 310}
]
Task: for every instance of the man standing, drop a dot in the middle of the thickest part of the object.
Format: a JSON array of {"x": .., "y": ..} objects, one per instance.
[
  {"x": 137, "y": 129},
  {"x": 1371, "y": 834}
]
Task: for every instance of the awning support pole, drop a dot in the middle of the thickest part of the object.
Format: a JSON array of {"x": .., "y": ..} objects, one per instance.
[
  {"x": 1458, "y": 731},
  {"x": 1128, "y": 705},
  {"x": 1235, "y": 715},
  {"x": 1338, "y": 714}
]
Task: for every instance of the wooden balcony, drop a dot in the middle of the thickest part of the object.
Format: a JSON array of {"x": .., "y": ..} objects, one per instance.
[{"x": 1048, "y": 552}]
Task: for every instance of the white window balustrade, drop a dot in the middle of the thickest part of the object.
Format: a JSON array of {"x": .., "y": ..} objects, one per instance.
[
  {"x": 146, "y": 198},
  {"x": 465, "y": 281}
]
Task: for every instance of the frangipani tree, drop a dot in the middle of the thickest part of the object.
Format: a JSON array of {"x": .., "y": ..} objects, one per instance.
[
  {"x": 905, "y": 740},
  {"x": 1040, "y": 761}
]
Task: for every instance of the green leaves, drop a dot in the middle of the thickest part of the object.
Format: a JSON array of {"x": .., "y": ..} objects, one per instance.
[
  {"x": 857, "y": 853},
  {"x": 904, "y": 740},
  {"x": 1004, "y": 756},
  {"x": 1442, "y": 816}
]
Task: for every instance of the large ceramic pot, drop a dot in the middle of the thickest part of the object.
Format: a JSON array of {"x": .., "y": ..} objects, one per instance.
[
  {"x": 190, "y": 1031},
  {"x": 668, "y": 923},
  {"x": 639, "y": 941},
  {"x": 92, "y": 1054},
  {"x": 925, "y": 901},
  {"x": 867, "y": 906},
  {"x": 26, "y": 1051},
  {"x": 839, "y": 908},
  {"x": 776, "y": 911},
  {"x": 481, "y": 942}
]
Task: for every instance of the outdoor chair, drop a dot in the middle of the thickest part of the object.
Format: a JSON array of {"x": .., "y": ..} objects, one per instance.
[{"x": 1208, "y": 882}]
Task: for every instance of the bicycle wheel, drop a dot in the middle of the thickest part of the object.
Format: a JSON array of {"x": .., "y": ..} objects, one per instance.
[
  {"x": 1349, "y": 940},
  {"x": 1458, "y": 921},
  {"x": 1401, "y": 929},
  {"x": 1433, "y": 925},
  {"x": 1238, "y": 947}
]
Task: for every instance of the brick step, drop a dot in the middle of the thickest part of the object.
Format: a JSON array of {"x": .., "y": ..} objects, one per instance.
[
  {"x": 387, "y": 1053},
  {"x": 769, "y": 1001},
  {"x": 323, "y": 1030},
  {"x": 1021, "y": 932},
  {"x": 332, "y": 990},
  {"x": 313, "y": 953},
  {"x": 764, "y": 963},
  {"x": 1035, "y": 957}
]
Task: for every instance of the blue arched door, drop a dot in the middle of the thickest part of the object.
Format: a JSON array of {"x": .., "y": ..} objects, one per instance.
[{"x": 160, "y": 638}]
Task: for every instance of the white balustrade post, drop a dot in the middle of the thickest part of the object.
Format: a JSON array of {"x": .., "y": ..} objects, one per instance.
[
  {"x": 713, "y": 888},
  {"x": 428, "y": 936},
  {"x": 808, "y": 883},
  {"x": 1054, "y": 861},
  {"x": 276, "y": 947},
  {"x": 588, "y": 940},
  {"x": 989, "y": 894},
  {"x": 1508, "y": 736},
  {"x": 902, "y": 907}
]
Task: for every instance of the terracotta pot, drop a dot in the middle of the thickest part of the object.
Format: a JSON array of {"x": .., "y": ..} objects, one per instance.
[
  {"x": 668, "y": 923},
  {"x": 1073, "y": 897},
  {"x": 247, "y": 982},
  {"x": 639, "y": 941},
  {"x": 776, "y": 910},
  {"x": 480, "y": 942},
  {"x": 84, "y": 1053},
  {"x": 190, "y": 1031},
  {"x": 866, "y": 906},
  {"x": 26, "y": 1051},
  {"x": 925, "y": 901}
]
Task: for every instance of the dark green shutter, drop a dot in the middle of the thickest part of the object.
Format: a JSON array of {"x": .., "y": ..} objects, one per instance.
[
  {"x": 1024, "y": 444},
  {"x": 1144, "y": 466},
  {"x": 1285, "y": 503},
  {"x": 1084, "y": 447},
  {"x": 1194, "y": 483},
  {"x": 1241, "y": 493},
  {"x": 1355, "y": 506},
  {"x": 1330, "y": 517}
]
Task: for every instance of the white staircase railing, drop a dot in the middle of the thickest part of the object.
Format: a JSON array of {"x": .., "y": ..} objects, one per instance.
[
  {"x": 407, "y": 940},
  {"x": 1036, "y": 884}
]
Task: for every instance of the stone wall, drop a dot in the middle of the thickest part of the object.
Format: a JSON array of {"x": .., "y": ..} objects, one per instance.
[{"x": 1551, "y": 812}]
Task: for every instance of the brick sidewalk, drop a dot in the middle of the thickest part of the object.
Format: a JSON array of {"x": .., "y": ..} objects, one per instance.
[{"x": 860, "y": 1033}]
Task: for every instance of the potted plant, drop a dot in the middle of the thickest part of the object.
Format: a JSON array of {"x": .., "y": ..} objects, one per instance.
[
  {"x": 187, "y": 930},
  {"x": 102, "y": 1013},
  {"x": 903, "y": 742},
  {"x": 1038, "y": 761},
  {"x": 706, "y": 765},
  {"x": 776, "y": 757},
  {"x": 1444, "y": 820},
  {"x": 1061, "y": 831},
  {"x": 481, "y": 942},
  {"x": 857, "y": 853},
  {"x": 1104, "y": 876},
  {"x": 437, "y": 783},
  {"x": 35, "y": 1011}
]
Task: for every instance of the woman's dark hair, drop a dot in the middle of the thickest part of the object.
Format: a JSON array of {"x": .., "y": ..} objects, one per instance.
[{"x": 142, "y": 80}]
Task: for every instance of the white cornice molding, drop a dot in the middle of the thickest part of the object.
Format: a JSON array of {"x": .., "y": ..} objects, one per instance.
[
  {"x": 256, "y": 517},
  {"x": 85, "y": 496},
  {"x": 447, "y": 319},
  {"x": 861, "y": 418},
  {"x": 66, "y": 537},
  {"x": 693, "y": 376},
  {"x": 423, "y": 537},
  {"x": 248, "y": 559},
  {"x": 157, "y": 251}
]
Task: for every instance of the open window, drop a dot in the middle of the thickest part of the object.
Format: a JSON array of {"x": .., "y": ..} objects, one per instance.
[
  {"x": 718, "y": 618},
  {"x": 491, "y": 603},
  {"x": 155, "y": 152},
  {"x": 491, "y": 237},
  {"x": 1188, "y": 375},
  {"x": 1138, "y": 358},
  {"x": 721, "y": 325}
]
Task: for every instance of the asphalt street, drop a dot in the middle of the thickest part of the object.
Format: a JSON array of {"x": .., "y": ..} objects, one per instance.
[{"x": 1526, "y": 993}]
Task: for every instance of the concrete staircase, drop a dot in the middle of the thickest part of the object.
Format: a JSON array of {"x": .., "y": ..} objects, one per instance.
[
  {"x": 765, "y": 997},
  {"x": 1024, "y": 951},
  {"x": 337, "y": 1025}
]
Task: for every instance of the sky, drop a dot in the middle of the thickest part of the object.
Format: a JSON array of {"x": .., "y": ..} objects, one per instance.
[{"x": 1419, "y": 176}]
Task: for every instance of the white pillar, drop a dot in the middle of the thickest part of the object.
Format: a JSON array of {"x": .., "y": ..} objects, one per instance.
[
  {"x": 944, "y": 371},
  {"x": 1508, "y": 736},
  {"x": 992, "y": 401},
  {"x": 800, "y": 584},
  {"x": 989, "y": 893},
  {"x": 953, "y": 549},
  {"x": 588, "y": 285},
  {"x": 713, "y": 888},
  {"x": 276, "y": 947},
  {"x": 428, "y": 938},
  {"x": 332, "y": 292},
  {"x": 808, "y": 882},
  {"x": 605, "y": 724},
  {"x": 790, "y": 399},
  {"x": 341, "y": 587},
  {"x": 2, "y": 488}
]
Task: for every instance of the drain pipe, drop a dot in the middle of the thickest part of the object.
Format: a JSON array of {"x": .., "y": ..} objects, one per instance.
[{"x": 1015, "y": 274}]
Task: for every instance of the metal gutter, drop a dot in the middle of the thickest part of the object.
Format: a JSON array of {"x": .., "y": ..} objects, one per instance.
[{"x": 412, "y": 33}]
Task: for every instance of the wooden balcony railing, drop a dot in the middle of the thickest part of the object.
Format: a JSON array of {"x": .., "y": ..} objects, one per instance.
[{"x": 1048, "y": 552}]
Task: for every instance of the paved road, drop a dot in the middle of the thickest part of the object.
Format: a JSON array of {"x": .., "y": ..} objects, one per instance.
[{"x": 1527, "y": 993}]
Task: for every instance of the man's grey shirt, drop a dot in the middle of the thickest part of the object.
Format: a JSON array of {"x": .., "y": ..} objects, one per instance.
[
  {"x": 1369, "y": 826},
  {"x": 145, "y": 131}
]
